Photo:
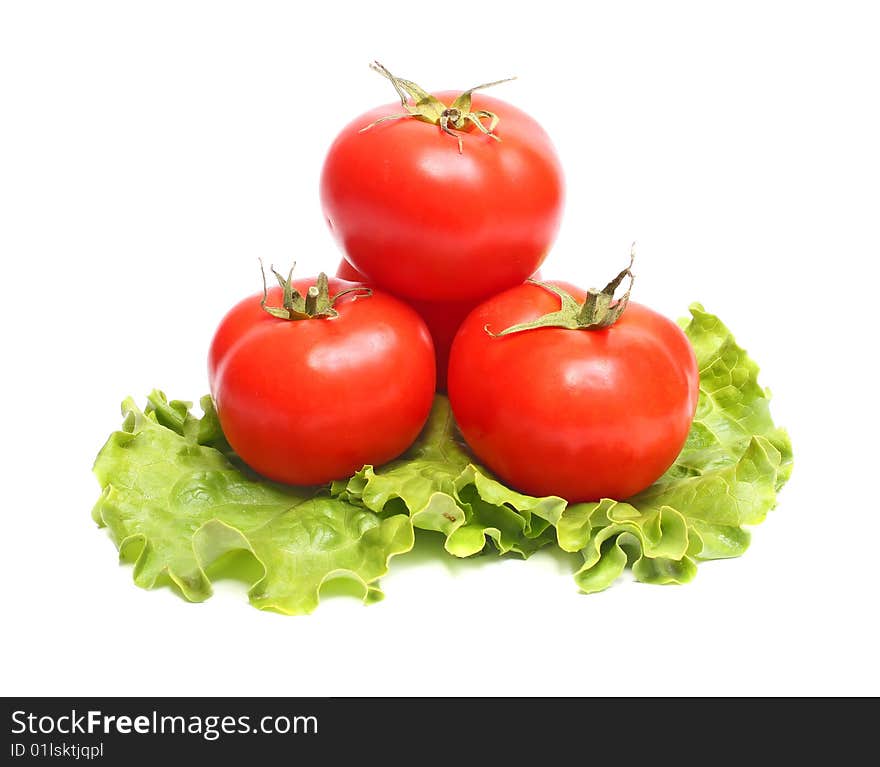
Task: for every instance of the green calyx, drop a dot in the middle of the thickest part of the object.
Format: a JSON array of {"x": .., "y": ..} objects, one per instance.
[
  {"x": 315, "y": 304},
  {"x": 599, "y": 309},
  {"x": 421, "y": 105}
]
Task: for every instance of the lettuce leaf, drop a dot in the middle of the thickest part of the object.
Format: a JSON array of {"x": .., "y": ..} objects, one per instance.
[
  {"x": 438, "y": 486},
  {"x": 175, "y": 507},
  {"x": 178, "y": 502}
]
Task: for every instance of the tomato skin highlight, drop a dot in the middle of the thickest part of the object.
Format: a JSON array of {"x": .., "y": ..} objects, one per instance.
[
  {"x": 583, "y": 414},
  {"x": 308, "y": 401},
  {"x": 443, "y": 318},
  {"x": 423, "y": 221}
]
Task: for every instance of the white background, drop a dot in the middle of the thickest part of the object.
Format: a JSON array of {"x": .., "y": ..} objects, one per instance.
[{"x": 150, "y": 152}]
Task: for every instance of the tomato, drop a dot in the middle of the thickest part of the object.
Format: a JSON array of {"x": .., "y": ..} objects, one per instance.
[
  {"x": 426, "y": 221},
  {"x": 306, "y": 401},
  {"x": 581, "y": 413}
]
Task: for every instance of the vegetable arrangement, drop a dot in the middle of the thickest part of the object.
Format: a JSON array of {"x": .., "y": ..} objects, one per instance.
[{"x": 573, "y": 418}]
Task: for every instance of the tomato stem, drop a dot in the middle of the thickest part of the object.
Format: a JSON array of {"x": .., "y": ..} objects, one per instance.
[
  {"x": 599, "y": 309},
  {"x": 316, "y": 304},
  {"x": 311, "y": 302},
  {"x": 421, "y": 105}
]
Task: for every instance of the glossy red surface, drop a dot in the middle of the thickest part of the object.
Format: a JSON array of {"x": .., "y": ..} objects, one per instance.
[
  {"x": 308, "y": 401},
  {"x": 584, "y": 414},
  {"x": 422, "y": 220}
]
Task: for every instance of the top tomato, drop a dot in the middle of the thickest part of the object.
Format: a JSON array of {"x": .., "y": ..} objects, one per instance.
[{"x": 425, "y": 218}]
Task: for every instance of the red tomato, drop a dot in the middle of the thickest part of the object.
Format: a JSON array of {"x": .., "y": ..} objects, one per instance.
[
  {"x": 310, "y": 400},
  {"x": 423, "y": 220},
  {"x": 584, "y": 414}
]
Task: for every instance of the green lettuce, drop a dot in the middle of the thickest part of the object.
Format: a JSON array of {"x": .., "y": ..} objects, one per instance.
[
  {"x": 179, "y": 503},
  {"x": 438, "y": 486},
  {"x": 175, "y": 507}
]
